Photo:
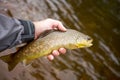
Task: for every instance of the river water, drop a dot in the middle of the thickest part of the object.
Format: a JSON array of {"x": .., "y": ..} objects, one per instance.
[{"x": 100, "y": 19}]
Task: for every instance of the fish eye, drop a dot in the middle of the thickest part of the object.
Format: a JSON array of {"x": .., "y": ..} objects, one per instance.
[{"x": 89, "y": 38}]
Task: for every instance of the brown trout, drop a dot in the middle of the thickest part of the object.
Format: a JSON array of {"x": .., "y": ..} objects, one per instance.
[{"x": 71, "y": 39}]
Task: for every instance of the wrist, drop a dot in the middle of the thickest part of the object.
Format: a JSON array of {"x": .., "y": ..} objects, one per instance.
[
  {"x": 29, "y": 31},
  {"x": 38, "y": 29},
  {"x": 35, "y": 27}
]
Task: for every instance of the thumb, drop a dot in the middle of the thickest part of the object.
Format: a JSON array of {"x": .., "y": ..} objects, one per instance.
[{"x": 59, "y": 26}]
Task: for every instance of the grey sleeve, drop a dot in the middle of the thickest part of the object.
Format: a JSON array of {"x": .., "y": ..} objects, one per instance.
[{"x": 14, "y": 31}]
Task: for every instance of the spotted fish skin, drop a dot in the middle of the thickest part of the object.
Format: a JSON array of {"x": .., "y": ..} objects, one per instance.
[{"x": 71, "y": 39}]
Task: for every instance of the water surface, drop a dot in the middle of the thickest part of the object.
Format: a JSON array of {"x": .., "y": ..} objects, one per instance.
[{"x": 100, "y": 19}]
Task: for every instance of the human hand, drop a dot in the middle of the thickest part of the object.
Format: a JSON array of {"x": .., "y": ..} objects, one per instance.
[
  {"x": 49, "y": 24},
  {"x": 56, "y": 53}
]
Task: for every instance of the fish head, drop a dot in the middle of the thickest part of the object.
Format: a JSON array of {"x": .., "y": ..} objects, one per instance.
[{"x": 84, "y": 41}]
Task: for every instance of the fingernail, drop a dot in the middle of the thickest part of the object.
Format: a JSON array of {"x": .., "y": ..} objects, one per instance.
[
  {"x": 50, "y": 57},
  {"x": 55, "y": 28},
  {"x": 55, "y": 53},
  {"x": 62, "y": 50},
  {"x": 65, "y": 29}
]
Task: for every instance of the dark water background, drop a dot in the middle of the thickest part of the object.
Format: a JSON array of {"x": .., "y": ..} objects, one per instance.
[{"x": 98, "y": 18}]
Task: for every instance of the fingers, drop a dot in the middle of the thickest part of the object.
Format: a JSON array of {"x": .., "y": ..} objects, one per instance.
[
  {"x": 47, "y": 24},
  {"x": 56, "y": 53},
  {"x": 50, "y": 57},
  {"x": 61, "y": 27},
  {"x": 62, "y": 50},
  {"x": 58, "y": 25}
]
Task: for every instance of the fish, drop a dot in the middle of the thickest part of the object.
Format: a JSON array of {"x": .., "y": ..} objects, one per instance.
[{"x": 70, "y": 39}]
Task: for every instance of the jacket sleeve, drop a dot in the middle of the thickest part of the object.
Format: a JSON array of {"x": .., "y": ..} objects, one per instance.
[{"x": 14, "y": 32}]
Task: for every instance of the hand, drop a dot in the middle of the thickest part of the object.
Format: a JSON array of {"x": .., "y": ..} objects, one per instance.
[
  {"x": 56, "y": 53},
  {"x": 49, "y": 24}
]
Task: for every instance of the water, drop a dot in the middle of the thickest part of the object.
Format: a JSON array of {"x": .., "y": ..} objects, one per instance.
[{"x": 98, "y": 18}]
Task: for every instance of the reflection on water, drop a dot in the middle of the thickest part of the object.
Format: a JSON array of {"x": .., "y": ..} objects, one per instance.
[{"x": 99, "y": 19}]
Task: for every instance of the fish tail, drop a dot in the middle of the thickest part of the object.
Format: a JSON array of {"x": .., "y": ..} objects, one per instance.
[{"x": 9, "y": 60}]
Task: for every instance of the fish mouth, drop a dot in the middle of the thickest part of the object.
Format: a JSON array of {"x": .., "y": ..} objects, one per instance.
[
  {"x": 89, "y": 43},
  {"x": 84, "y": 43}
]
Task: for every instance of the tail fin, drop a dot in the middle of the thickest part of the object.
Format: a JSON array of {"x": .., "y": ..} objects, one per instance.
[{"x": 9, "y": 60}]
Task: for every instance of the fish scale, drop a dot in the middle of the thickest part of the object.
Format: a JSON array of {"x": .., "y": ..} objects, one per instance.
[{"x": 71, "y": 39}]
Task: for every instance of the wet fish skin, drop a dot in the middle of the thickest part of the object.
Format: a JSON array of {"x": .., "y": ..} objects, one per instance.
[{"x": 71, "y": 39}]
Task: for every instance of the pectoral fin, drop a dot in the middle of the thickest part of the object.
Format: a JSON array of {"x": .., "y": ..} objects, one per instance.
[{"x": 27, "y": 62}]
